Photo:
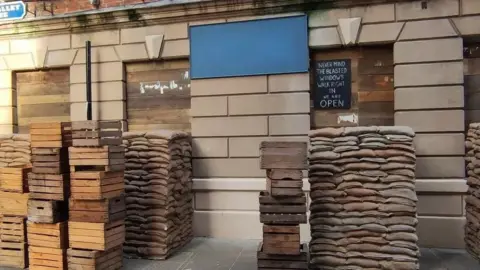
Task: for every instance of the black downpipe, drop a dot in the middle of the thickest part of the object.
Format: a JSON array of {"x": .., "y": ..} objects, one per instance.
[{"x": 89, "y": 79}]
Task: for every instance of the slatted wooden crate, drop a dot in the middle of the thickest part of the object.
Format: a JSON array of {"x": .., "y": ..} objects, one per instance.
[
  {"x": 283, "y": 155},
  {"x": 287, "y": 187},
  {"x": 282, "y": 210},
  {"x": 14, "y": 179},
  {"x": 57, "y": 134},
  {"x": 47, "y": 235},
  {"x": 49, "y": 186},
  {"x": 45, "y": 258},
  {"x": 12, "y": 229},
  {"x": 100, "y": 211},
  {"x": 95, "y": 260},
  {"x": 96, "y": 185},
  {"x": 105, "y": 158},
  {"x": 14, "y": 204},
  {"x": 97, "y": 133},
  {"x": 267, "y": 261},
  {"x": 13, "y": 254},
  {"x": 42, "y": 211},
  {"x": 50, "y": 160},
  {"x": 96, "y": 236},
  {"x": 281, "y": 239}
]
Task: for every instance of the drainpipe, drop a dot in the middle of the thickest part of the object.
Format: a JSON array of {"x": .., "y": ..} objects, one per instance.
[{"x": 89, "y": 79}]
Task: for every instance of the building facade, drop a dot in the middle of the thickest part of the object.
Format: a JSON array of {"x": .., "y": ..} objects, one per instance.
[{"x": 413, "y": 63}]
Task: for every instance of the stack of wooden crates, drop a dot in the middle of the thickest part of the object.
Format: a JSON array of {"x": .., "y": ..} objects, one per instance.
[
  {"x": 48, "y": 184},
  {"x": 13, "y": 212},
  {"x": 282, "y": 206},
  {"x": 97, "y": 204}
]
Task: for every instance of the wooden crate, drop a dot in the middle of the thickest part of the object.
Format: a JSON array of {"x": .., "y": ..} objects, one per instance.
[
  {"x": 104, "y": 158},
  {"x": 57, "y": 134},
  {"x": 97, "y": 133},
  {"x": 100, "y": 211},
  {"x": 13, "y": 254},
  {"x": 283, "y": 155},
  {"x": 267, "y": 261},
  {"x": 44, "y": 258},
  {"x": 14, "y": 204},
  {"x": 96, "y": 185},
  {"x": 281, "y": 239},
  {"x": 47, "y": 235},
  {"x": 12, "y": 229},
  {"x": 50, "y": 160},
  {"x": 14, "y": 179},
  {"x": 47, "y": 211},
  {"x": 284, "y": 174},
  {"x": 111, "y": 259},
  {"x": 96, "y": 236},
  {"x": 288, "y": 187},
  {"x": 282, "y": 210},
  {"x": 49, "y": 186}
]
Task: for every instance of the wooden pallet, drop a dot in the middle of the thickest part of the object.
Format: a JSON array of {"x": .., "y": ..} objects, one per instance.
[
  {"x": 282, "y": 210},
  {"x": 105, "y": 158},
  {"x": 14, "y": 179},
  {"x": 96, "y": 185},
  {"x": 50, "y": 212},
  {"x": 95, "y": 260},
  {"x": 14, "y": 204},
  {"x": 100, "y": 211},
  {"x": 12, "y": 229},
  {"x": 49, "y": 186},
  {"x": 96, "y": 236},
  {"x": 50, "y": 135},
  {"x": 283, "y": 155},
  {"x": 13, "y": 254},
  {"x": 47, "y": 235},
  {"x": 278, "y": 262},
  {"x": 44, "y": 258},
  {"x": 97, "y": 133},
  {"x": 281, "y": 239}
]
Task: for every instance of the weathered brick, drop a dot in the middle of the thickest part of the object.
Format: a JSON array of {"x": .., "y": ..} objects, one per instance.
[
  {"x": 111, "y": 71},
  {"x": 62, "y": 58},
  {"x": 138, "y": 34},
  {"x": 452, "y": 205},
  {"x": 56, "y": 42},
  {"x": 98, "y": 55},
  {"x": 209, "y": 106},
  {"x": 289, "y": 82},
  {"x": 451, "y": 230},
  {"x": 229, "y": 126},
  {"x": 130, "y": 52},
  {"x": 210, "y": 147},
  {"x": 8, "y": 115},
  {"x": 176, "y": 31},
  {"x": 439, "y": 8},
  {"x": 223, "y": 167},
  {"x": 440, "y": 167},
  {"x": 455, "y": 185},
  {"x": 324, "y": 38},
  {"x": 250, "y": 146},
  {"x": 176, "y": 49},
  {"x": 470, "y": 7},
  {"x": 226, "y": 86},
  {"x": 432, "y": 50},
  {"x": 467, "y": 26},
  {"x": 102, "y": 38},
  {"x": 429, "y": 74},
  {"x": 6, "y": 79},
  {"x": 425, "y": 29},
  {"x": 322, "y": 18},
  {"x": 431, "y": 121},
  {"x": 227, "y": 200},
  {"x": 436, "y": 97},
  {"x": 101, "y": 91},
  {"x": 289, "y": 124},
  {"x": 19, "y": 61},
  {"x": 374, "y": 13},
  {"x": 451, "y": 144},
  {"x": 269, "y": 104},
  {"x": 7, "y": 98},
  {"x": 380, "y": 33},
  {"x": 106, "y": 110}
]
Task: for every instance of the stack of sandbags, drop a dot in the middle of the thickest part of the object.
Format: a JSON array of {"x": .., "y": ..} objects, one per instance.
[
  {"x": 472, "y": 207},
  {"x": 158, "y": 185},
  {"x": 14, "y": 150},
  {"x": 363, "y": 209}
]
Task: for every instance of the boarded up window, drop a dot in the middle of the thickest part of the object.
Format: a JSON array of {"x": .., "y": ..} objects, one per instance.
[
  {"x": 158, "y": 95},
  {"x": 42, "y": 96},
  {"x": 472, "y": 82},
  {"x": 372, "y": 100}
]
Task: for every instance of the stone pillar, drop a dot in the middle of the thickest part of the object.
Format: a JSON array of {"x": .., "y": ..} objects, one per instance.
[{"x": 429, "y": 97}]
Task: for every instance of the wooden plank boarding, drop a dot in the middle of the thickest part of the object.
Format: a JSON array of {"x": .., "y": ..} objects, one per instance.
[
  {"x": 13, "y": 254},
  {"x": 14, "y": 204},
  {"x": 283, "y": 155},
  {"x": 14, "y": 179},
  {"x": 47, "y": 211},
  {"x": 105, "y": 158},
  {"x": 267, "y": 261},
  {"x": 48, "y": 135},
  {"x": 292, "y": 188},
  {"x": 95, "y": 260},
  {"x": 282, "y": 210},
  {"x": 100, "y": 211},
  {"x": 47, "y": 235},
  {"x": 49, "y": 186},
  {"x": 45, "y": 258},
  {"x": 96, "y": 185},
  {"x": 97, "y": 133},
  {"x": 12, "y": 229},
  {"x": 96, "y": 236},
  {"x": 281, "y": 240}
]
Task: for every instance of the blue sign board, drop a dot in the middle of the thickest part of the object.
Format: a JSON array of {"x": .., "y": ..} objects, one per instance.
[
  {"x": 258, "y": 47},
  {"x": 12, "y": 11}
]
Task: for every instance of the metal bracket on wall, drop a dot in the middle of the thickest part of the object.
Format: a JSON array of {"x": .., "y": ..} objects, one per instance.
[{"x": 32, "y": 8}]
